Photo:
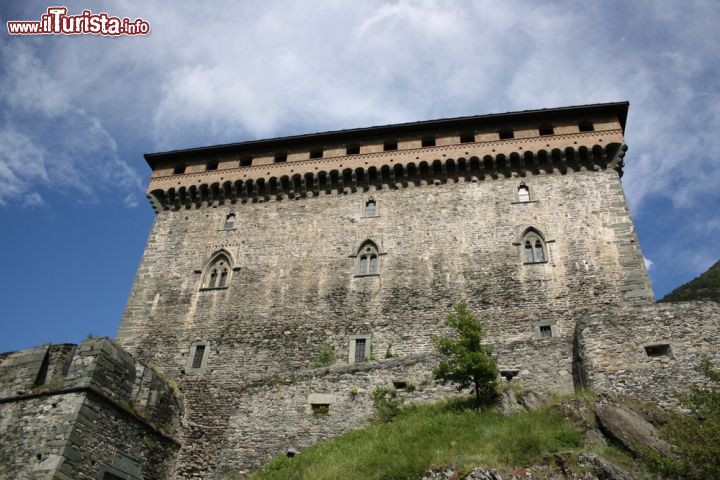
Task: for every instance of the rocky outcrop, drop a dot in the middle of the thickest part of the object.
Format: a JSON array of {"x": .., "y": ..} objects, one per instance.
[{"x": 629, "y": 429}]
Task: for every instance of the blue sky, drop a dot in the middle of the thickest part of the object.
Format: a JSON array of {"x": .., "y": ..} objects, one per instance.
[{"x": 78, "y": 112}]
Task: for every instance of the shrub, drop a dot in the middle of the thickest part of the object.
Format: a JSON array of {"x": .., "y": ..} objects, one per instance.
[
  {"x": 387, "y": 405},
  {"x": 326, "y": 356},
  {"x": 695, "y": 434}
]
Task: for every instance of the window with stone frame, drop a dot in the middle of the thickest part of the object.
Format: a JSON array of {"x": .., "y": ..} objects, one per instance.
[
  {"x": 359, "y": 349},
  {"x": 523, "y": 193},
  {"x": 533, "y": 247},
  {"x": 370, "y": 208},
  {"x": 217, "y": 273},
  {"x": 229, "y": 223},
  {"x": 198, "y": 357},
  {"x": 367, "y": 259}
]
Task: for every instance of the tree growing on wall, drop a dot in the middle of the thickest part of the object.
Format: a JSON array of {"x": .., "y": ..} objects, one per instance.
[{"x": 466, "y": 361}]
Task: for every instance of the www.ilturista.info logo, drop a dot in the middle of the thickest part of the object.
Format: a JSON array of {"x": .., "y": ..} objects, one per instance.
[{"x": 57, "y": 22}]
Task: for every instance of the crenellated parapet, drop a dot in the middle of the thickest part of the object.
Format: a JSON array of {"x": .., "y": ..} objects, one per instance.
[{"x": 468, "y": 149}]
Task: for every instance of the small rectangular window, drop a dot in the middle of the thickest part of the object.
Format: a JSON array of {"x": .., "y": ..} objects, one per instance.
[
  {"x": 360, "y": 350},
  {"x": 428, "y": 141},
  {"x": 246, "y": 161},
  {"x": 352, "y": 149},
  {"x": 586, "y": 126},
  {"x": 467, "y": 137},
  {"x": 662, "y": 350},
  {"x": 506, "y": 134},
  {"x": 390, "y": 145},
  {"x": 198, "y": 356},
  {"x": 546, "y": 130},
  {"x": 320, "y": 408},
  {"x": 280, "y": 157},
  {"x": 545, "y": 331},
  {"x": 316, "y": 153},
  {"x": 212, "y": 165},
  {"x": 179, "y": 169}
]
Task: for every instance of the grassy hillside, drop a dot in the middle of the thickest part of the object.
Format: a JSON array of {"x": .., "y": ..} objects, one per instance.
[
  {"x": 704, "y": 287},
  {"x": 424, "y": 437}
]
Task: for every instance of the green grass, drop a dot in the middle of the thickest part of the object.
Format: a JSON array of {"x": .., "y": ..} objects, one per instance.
[{"x": 423, "y": 437}]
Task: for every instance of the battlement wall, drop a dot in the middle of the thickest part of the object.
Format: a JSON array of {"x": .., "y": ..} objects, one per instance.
[{"x": 76, "y": 411}]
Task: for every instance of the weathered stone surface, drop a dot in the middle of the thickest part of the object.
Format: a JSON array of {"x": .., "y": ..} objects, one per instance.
[
  {"x": 611, "y": 350},
  {"x": 67, "y": 410},
  {"x": 630, "y": 429},
  {"x": 604, "y": 469}
]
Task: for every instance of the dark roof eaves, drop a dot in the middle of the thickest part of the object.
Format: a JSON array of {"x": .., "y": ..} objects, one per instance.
[{"x": 621, "y": 108}]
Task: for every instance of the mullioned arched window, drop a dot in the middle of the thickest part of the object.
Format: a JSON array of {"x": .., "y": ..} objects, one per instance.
[
  {"x": 533, "y": 247},
  {"x": 367, "y": 257},
  {"x": 218, "y": 271}
]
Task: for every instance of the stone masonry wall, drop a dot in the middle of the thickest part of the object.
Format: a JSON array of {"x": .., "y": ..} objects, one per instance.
[
  {"x": 612, "y": 355},
  {"x": 73, "y": 412},
  {"x": 294, "y": 291}
]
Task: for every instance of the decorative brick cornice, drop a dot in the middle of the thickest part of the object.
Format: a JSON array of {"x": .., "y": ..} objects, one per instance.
[{"x": 561, "y": 153}]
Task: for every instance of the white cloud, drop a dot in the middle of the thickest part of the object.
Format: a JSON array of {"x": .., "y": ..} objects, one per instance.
[
  {"x": 131, "y": 200},
  {"x": 47, "y": 138},
  {"x": 240, "y": 71},
  {"x": 648, "y": 262}
]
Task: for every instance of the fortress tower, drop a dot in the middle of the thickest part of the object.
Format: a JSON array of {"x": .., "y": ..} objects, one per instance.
[{"x": 263, "y": 254}]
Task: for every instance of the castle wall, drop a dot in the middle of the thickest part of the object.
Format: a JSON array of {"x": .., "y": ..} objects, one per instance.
[
  {"x": 73, "y": 412},
  {"x": 623, "y": 351},
  {"x": 294, "y": 290}
]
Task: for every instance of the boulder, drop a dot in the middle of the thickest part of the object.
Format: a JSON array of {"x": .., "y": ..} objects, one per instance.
[{"x": 629, "y": 429}]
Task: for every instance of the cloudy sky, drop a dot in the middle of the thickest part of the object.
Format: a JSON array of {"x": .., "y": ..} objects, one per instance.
[{"x": 78, "y": 112}]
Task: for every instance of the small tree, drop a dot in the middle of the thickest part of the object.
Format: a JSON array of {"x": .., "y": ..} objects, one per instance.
[{"x": 467, "y": 362}]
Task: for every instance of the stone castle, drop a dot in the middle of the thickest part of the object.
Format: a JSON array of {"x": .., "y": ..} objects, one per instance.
[{"x": 285, "y": 279}]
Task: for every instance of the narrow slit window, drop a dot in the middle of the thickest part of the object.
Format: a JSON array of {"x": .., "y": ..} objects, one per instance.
[
  {"x": 370, "y": 208},
  {"x": 523, "y": 193},
  {"x": 539, "y": 251},
  {"x": 198, "y": 356},
  {"x": 229, "y": 222},
  {"x": 223, "y": 278},
  {"x": 373, "y": 265},
  {"x": 528, "y": 253}
]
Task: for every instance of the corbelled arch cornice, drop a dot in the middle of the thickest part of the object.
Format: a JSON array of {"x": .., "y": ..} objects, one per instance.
[{"x": 478, "y": 161}]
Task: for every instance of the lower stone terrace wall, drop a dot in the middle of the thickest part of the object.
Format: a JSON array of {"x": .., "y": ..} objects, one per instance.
[
  {"x": 648, "y": 353},
  {"x": 267, "y": 417}
]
